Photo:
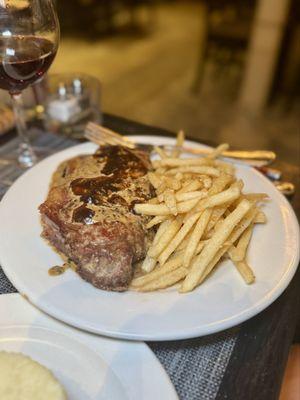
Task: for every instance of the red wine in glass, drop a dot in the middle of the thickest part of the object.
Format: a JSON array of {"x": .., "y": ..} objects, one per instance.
[
  {"x": 29, "y": 37},
  {"x": 27, "y": 58}
]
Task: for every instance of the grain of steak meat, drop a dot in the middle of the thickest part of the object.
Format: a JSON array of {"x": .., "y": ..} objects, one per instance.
[{"x": 88, "y": 214}]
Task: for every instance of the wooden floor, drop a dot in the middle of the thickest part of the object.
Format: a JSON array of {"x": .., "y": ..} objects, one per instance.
[
  {"x": 148, "y": 78},
  {"x": 291, "y": 382}
]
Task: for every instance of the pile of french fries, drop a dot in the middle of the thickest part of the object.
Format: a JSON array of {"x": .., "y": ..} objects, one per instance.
[{"x": 201, "y": 216}]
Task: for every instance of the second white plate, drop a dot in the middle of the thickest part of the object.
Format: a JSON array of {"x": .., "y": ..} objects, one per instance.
[
  {"x": 221, "y": 302},
  {"x": 88, "y": 366}
]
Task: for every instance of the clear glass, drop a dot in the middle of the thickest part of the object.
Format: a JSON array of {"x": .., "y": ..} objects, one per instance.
[
  {"x": 29, "y": 37},
  {"x": 70, "y": 101}
]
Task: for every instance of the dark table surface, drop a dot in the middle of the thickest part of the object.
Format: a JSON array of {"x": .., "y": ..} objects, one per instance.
[{"x": 256, "y": 366}]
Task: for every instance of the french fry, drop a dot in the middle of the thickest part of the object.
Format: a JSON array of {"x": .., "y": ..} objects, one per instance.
[
  {"x": 156, "y": 164},
  {"x": 184, "y": 243},
  {"x": 243, "y": 268},
  {"x": 210, "y": 171},
  {"x": 227, "y": 211},
  {"x": 196, "y": 237},
  {"x": 175, "y": 242},
  {"x": 255, "y": 196},
  {"x": 164, "y": 281},
  {"x": 189, "y": 176},
  {"x": 216, "y": 189},
  {"x": 154, "y": 180},
  {"x": 180, "y": 138},
  {"x": 186, "y": 206},
  {"x": 179, "y": 176},
  {"x": 217, "y": 213},
  {"x": 154, "y": 200},
  {"x": 202, "y": 216},
  {"x": 161, "y": 230},
  {"x": 161, "y": 188},
  {"x": 218, "y": 199},
  {"x": 179, "y": 142},
  {"x": 207, "y": 181},
  {"x": 200, "y": 246},
  {"x": 260, "y": 218},
  {"x": 174, "y": 263},
  {"x": 183, "y": 162},
  {"x": 190, "y": 187},
  {"x": 245, "y": 271},
  {"x": 198, "y": 268},
  {"x": 170, "y": 201},
  {"x": 239, "y": 184},
  {"x": 160, "y": 152},
  {"x": 199, "y": 194},
  {"x": 161, "y": 171},
  {"x": 165, "y": 239},
  {"x": 148, "y": 264},
  {"x": 152, "y": 209},
  {"x": 239, "y": 229},
  {"x": 218, "y": 150},
  {"x": 218, "y": 224},
  {"x": 220, "y": 184},
  {"x": 161, "y": 209},
  {"x": 242, "y": 225},
  {"x": 238, "y": 253},
  {"x": 171, "y": 183},
  {"x": 225, "y": 167},
  {"x": 156, "y": 220},
  {"x": 160, "y": 197}
]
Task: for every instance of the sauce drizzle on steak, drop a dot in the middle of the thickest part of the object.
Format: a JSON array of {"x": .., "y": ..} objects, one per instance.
[
  {"x": 88, "y": 214},
  {"x": 119, "y": 164}
]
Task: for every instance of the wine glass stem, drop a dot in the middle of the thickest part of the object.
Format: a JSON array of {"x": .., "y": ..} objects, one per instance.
[{"x": 26, "y": 157}]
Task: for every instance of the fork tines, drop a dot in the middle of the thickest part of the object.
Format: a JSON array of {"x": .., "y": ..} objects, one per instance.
[{"x": 101, "y": 136}]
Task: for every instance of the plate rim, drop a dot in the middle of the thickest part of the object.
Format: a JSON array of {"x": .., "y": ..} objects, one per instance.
[
  {"x": 198, "y": 330},
  {"x": 87, "y": 339}
]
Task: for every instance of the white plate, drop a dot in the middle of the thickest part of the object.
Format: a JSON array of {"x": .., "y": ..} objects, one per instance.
[
  {"x": 89, "y": 367},
  {"x": 221, "y": 302}
]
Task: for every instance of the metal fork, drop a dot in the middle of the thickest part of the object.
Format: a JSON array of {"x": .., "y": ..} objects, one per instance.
[{"x": 101, "y": 136}]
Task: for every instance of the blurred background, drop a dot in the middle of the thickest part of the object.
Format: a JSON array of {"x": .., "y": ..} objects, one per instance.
[{"x": 222, "y": 70}]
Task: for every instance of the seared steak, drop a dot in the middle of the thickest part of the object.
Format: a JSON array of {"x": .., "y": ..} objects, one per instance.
[{"x": 88, "y": 214}]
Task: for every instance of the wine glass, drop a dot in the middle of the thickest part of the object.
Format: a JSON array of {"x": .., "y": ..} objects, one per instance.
[{"x": 29, "y": 37}]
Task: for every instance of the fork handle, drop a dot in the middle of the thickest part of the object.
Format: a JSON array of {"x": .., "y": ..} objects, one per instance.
[{"x": 240, "y": 154}]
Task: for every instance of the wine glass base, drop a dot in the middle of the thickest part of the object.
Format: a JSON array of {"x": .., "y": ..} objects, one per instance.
[
  {"x": 27, "y": 156},
  {"x": 25, "y": 162}
]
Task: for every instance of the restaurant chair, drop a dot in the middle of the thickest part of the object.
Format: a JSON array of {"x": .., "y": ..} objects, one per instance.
[{"x": 225, "y": 34}]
